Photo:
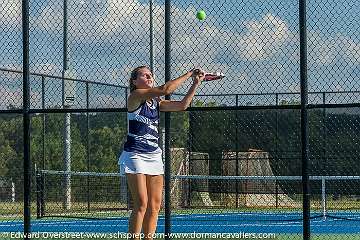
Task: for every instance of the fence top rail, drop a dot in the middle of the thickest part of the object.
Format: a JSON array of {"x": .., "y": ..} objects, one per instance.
[{"x": 65, "y": 78}]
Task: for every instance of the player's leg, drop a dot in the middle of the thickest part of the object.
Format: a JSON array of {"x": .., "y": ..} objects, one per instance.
[
  {"x": 137, "y": 186},
  {"x": 154, "y": 192}
]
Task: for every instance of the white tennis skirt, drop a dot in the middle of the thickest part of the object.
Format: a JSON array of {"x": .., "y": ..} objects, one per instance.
[{"x": 145, "y": 163}]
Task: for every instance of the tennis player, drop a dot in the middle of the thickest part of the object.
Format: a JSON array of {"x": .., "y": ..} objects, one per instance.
[{"x": 141, "y": 159}]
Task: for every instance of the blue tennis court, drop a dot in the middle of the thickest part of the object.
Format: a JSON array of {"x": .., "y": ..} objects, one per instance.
[{"x": 286, "y": 223}]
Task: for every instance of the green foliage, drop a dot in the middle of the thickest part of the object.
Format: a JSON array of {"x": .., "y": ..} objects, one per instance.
[
  {"x": 7, "y": 155},
  {"x": 179, "y": 129},
  {"x": 11, "y": 147},
  {"x": 105, "y": 148},
  {"x": 334, "y": 139},
  {"x": 289, "y": 102}
]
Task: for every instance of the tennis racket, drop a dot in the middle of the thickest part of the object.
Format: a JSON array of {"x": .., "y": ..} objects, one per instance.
[{"x": 211, "y": 76}]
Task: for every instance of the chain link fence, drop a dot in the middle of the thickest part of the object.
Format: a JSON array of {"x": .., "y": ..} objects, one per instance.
[{"x": 236, "y": 159}]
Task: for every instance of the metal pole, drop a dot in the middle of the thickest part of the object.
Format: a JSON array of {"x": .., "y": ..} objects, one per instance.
[
  {"x": 124, "y": 193},
  {"x": 191, "y": 147},
  {"x": 43, "y": 121},
  {"x": 237, "y": 151},
  {"x": 41, "y": 177},
  {"x": 323, "y": 197},
  {"x": 151, "y": 37},
  {"x": 67, "y": 126},
  {"x": 324, "y": 134},
  {"x": 304, "y": 120},
  {"x": 88, "y": 146},
  {"x": 323, "y": 183},
  {"x": 65, "y": 56},
  {"x": 26, "y": 119},
  {"x": 38, "y": 189},
  {"x": 167, "y": 122},
  {"x": 277, "y": 150}
]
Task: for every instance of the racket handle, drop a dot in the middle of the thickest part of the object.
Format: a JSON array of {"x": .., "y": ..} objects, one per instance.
[{"x": 210, "y": 76}]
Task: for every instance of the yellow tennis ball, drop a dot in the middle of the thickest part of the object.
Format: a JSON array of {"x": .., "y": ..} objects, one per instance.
[{"x": 201, "y": 15}]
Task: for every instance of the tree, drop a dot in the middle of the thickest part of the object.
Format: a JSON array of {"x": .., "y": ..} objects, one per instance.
[{"x": 105, "y": 148}]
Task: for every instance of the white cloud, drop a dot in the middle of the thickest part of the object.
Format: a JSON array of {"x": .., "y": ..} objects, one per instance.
[
  {"x": 121, "y": 14},
  {"x": 194, "y": 44},
  {"x": 108, "y": 101},
  {"x": 45, "y": 68},
  {"x": 94, "y": 18},
  {"x": 262, "y": 39},
  {"x": 50, "y": 19},
  {"x": 10, "y": 97},
  {"x": 351, "y": 50},
  {"x": 198, "y": 45},
  {"x": 294, "y": 87},
  {"x": 322, "y": 51},
  {"x": 326, "y": 50},
  {"x": 10, "y": 12},
  {"x": 12, "y": 94}
]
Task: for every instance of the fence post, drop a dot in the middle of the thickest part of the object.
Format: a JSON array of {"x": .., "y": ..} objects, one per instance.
[
  {"x": 167, "y": 123},
  {"x": 26, "y": 119},
  {"x": 304, "y": 120},
  {"x": 323, "y": 196}
]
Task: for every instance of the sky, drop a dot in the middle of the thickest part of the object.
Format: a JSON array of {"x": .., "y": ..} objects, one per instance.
[{"x": 254, "y": 43}]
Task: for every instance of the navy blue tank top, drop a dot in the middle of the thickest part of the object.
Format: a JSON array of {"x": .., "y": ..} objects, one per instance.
[{"x": 143, "y": 136}]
